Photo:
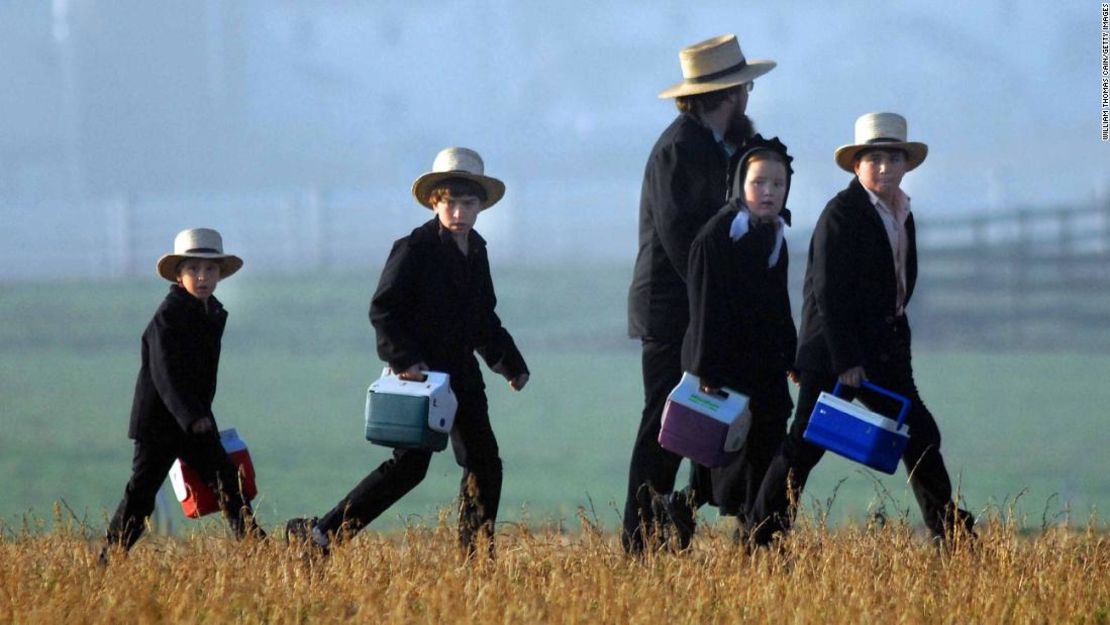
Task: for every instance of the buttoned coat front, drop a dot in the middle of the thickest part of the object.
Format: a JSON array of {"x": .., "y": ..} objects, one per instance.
[
  {"x": 741, "y": 332},
  {"x": 850, "y": 291},
  {"x": 180, "y": 359},
  {"x": 685, "y": 183},
  {"x": 436, "y": 306}
]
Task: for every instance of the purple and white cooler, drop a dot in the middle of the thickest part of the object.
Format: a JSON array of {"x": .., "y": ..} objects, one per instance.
[
  {"x": 852, "y": 431},
  {"x": 706, "y": 428}
]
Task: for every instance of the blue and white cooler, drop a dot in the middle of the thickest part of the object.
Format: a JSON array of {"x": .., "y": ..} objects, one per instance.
[
  {"x": 410, "y": 414},
  {"x": 853, "y": 431}
]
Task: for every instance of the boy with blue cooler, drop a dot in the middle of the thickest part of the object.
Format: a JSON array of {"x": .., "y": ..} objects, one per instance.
[
  {"x": 171, "y": 415},
  {"x": 434, "y": 307},
  {"x": 859, "y": 280}
]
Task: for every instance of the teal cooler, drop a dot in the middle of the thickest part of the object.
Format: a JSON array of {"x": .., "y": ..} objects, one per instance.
[
  {"x": 852, "y": 431},
  {"x": 410, "y": 414}
]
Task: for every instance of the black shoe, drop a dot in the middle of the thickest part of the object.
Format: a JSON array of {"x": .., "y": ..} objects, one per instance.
[
  {"x": 958, "y": 531},
  {"x": 740, "y": 535},
  {"x": 658, "y": 530},
  {"x": 300, "y": 531},
  {"x": 954, "y": 541},
  {"x": 676, "y": 517}
]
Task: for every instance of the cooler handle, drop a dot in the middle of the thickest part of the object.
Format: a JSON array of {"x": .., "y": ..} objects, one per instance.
[
  {"x": 720, "y": 393},
  {"x": 882, "y": 391}
]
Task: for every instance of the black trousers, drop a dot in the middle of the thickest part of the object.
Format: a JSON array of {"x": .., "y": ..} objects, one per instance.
[
  {"x": 786, "y": 477},
  {"x": 476, "y": 452},
  {"x": 734, "y": 486},
  {"x": 653, "y": 469},
  {"x": 151, "y": 464}
]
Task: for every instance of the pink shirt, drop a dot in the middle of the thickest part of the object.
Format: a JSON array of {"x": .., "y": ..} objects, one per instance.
[{"x": 894, "y": 220}]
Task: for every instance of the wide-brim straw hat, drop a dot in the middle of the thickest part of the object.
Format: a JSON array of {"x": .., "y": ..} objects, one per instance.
[
  {"x": 198, "y": 243},
  {"x": 881, "y": 130},
  {"x": 713, "y": 65},
  {"x": 458, "y": 163}
]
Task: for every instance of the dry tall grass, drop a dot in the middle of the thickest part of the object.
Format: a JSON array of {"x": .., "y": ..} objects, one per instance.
[{"x": 849, "y": 575}]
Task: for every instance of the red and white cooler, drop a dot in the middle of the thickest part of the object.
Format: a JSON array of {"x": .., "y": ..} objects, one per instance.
[{"x": 196, "y": 498}]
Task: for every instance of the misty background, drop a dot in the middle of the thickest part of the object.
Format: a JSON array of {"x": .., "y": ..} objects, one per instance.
[{"x": 297, "y": 129}]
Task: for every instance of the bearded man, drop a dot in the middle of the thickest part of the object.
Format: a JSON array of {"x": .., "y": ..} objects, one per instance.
[{"x": 686, "y": 181}]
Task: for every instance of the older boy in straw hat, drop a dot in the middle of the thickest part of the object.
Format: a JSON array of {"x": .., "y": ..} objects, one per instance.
[
  {"x": 860, "y": 277},
  {"x": 685, "y": 181},
  {"x": 171, "y": 415},
  {"x": 433, "y": 309}
]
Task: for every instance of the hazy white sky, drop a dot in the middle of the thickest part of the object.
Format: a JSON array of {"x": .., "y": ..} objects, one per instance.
[{"x": 200, "y": 100}]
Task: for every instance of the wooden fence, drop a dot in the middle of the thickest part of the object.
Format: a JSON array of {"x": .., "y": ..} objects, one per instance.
[
  {"x": 1029, "y": 279},
  {"x": 1021, "y": 279}
]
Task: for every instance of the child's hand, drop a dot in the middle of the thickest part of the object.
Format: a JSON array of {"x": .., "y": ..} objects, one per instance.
[
  {"x": 852, "y": 377},
  {"x": 202, "y": 426},
  {"x": 518, "y": 382},
  {"x": 414, "y": 373}
]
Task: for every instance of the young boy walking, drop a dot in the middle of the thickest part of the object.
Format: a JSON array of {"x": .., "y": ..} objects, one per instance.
[
  {"x": 433, "y": 309},
  {"x": 859, "y": 280},
  {"x": 171, "y": 414}
]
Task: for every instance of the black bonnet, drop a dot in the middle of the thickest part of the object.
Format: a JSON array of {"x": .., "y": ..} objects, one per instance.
[{"x": 756, "y": 143}]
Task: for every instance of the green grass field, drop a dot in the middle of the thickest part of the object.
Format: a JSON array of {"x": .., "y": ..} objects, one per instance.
[{"x": 298, "y": 356}]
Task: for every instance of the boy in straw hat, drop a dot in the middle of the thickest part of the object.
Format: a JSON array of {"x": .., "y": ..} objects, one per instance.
[
  {"x": 686, "y": 180},
  {"x": 433, "y": 309},
  {"x": 860, "y": 277},
  {"x": 171, "y": 415}
]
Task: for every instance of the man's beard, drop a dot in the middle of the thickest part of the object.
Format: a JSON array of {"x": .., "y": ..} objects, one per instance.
[{"x": 740, "y": 129}]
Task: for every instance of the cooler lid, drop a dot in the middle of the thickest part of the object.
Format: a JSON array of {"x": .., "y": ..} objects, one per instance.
[
  {"x": 441, "y": 411},
  {"x": 862, "y": 413},
  {"x": 437, "y": 382},
  {"x": 724, "y": 408},
  {"x": 229, "y": 438},
  {"x": 177, "y": 481}
]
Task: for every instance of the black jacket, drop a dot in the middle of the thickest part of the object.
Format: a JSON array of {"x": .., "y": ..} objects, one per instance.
[
  {"x": 436, "y": 306},
  {"x": 685, "y": 182},
  {"x": 180, "y": 358},
  {"x": 849, "y": 297},
  {"x": 741, "y": 331}
]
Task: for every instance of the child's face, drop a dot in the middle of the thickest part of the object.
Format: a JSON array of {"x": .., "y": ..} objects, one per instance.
[
  {"x": 765, "y": 189},
  {"x": 198, "y": 276},
  {"x": 881, "y": 171},
  {"x": 458, "y": 213}
]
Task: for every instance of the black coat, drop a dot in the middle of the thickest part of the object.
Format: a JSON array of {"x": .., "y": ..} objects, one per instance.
[
  {"x": 436, "y": 306},
  {"x": 741, "y": 331},
  {"x": 685, "y": 182},
  {"x": 849, "y": 297},
  {"x": 180, "y": 359}
]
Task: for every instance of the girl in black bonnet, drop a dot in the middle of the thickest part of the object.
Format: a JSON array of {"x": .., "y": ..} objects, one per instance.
[{"x": 742, "y": 333}]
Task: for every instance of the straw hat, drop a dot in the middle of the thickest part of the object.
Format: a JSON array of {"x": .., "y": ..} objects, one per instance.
[
  {"x": 713, "y": 65},
  {"x": 458, "y": 163},
  {"x": 198, "y": 243},
  {"x": 881, "y": 130}
]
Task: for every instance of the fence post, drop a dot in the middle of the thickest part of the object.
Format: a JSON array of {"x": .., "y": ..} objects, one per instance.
[
  {"x": 1104, "y": 239},
  {"x": 1022, "y": 259}
]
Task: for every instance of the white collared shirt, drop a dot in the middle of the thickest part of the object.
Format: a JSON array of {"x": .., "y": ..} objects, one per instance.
[
  {"x": 894, "y": 221},
  {"x": 742, "y": 223},
  {"x": 728, "y": 147}
]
